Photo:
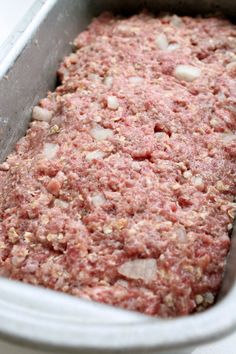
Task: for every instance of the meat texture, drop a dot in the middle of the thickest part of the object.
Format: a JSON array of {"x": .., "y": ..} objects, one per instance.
[{"x": 122, "y": 190}]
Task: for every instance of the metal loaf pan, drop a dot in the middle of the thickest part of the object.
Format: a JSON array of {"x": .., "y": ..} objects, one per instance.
[{"x": 46, "y": 319}]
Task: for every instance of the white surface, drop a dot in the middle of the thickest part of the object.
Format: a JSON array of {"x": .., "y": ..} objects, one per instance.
[
  {"x": 14, "y": 43},
  {"x": 226, "y": 346},
  {"x": 11, "y": 12}
]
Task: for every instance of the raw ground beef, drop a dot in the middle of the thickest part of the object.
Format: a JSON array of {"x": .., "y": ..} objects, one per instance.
[{"x": 122, "y": 189}]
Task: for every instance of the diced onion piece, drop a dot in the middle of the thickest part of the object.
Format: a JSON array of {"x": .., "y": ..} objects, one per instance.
[
  {"x": 136, "y": 166},
  {"x": 123, "y": 28},
  {"x": 198, "y": 182},
  {"x": 97, "y": 119},
  {"x": 214, "y": 122},
  {"x": 176, "y": 21},
  {"x": 181, "y": 235},
  {"x": 187, "y": 73},
  {"x": 161, "y": 41},
  {"x": 127, "y": 29},
  {"x": 41, "y": 114},
  {"x": 187, "y": 174},
  {"x": 60, "y": 203},
  {"x": 98, "y": 199},
  {"x": 172, "y": 47},
  {"x": 107, "y": 230},
  {"x": 108, "y": 81},
  {"x": 135, "y": 80},
  {"x": 112, "y": 102},
  {"x": 94, "y": 155},
  {"x": 221, "y": 96},
  {"x": 228, "y": 138},
  {"x": 94, "y": 77},
  {"x": 4, "y": 166},
  {"x": 161, "y": 135},
  {"x": 145, "y": 269},
  {"x": 50, "y": 150},
  {"x": 73, "y": 58},
  {"x": 99, "y": 133}
]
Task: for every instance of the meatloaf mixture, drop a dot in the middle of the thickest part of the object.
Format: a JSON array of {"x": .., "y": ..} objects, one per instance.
[{"x": 122, "y": 190}]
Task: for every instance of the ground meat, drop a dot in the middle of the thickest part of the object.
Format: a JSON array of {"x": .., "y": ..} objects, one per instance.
[{"x": 122, "y": 189}]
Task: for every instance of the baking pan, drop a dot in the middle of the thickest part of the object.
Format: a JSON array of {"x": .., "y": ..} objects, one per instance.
[{"x": 46, "y": 319}]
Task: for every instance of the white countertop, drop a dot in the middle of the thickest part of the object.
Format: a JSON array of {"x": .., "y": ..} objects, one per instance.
[{"x": 11, "y": 12}]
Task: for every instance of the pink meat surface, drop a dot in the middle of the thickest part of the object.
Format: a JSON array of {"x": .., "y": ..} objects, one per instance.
[{"x": 122, "y": 190}]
